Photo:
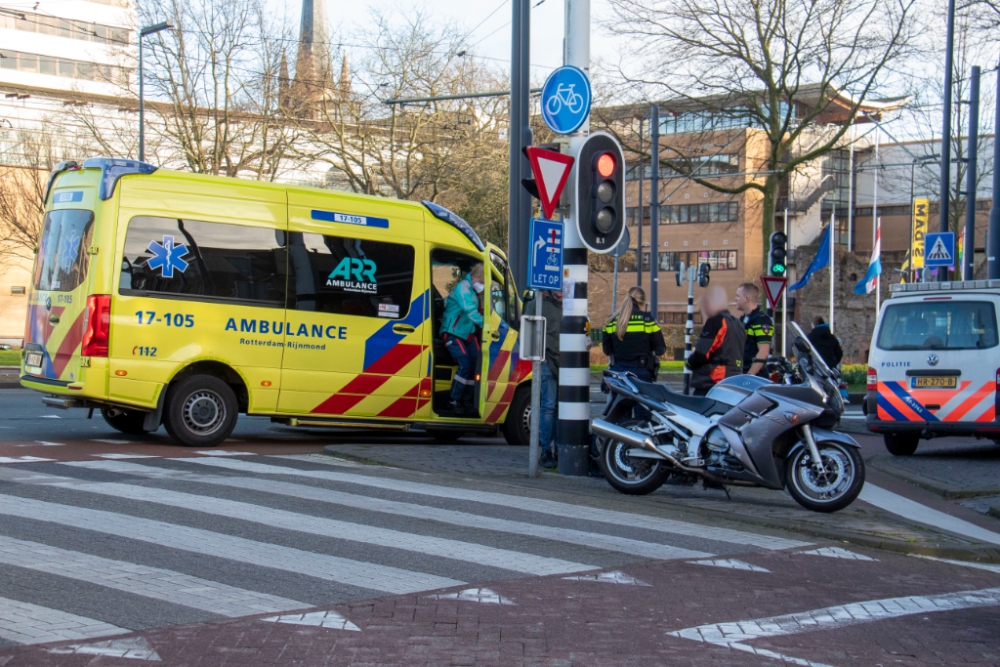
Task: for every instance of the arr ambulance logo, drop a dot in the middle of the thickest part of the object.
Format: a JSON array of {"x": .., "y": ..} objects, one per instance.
[
  {"x": 167, "y": 257},
  {"x": 354, "y": 275}
]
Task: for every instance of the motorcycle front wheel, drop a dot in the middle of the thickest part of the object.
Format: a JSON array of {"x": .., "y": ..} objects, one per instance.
[
  {"x": 635, "y": 477},
  {"x": 835, "y": 486}
]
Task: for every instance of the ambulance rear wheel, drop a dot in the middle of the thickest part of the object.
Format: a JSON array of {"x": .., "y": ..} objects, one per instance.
[
  {"x": 901, "y": 444},
  {"x": 125, "y": 421},
  {"x": 517, "y": 426},
  {"x": 201, "y": 411}
]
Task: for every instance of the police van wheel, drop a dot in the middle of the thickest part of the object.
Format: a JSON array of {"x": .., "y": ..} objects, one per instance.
[
  {"x": 901, "y": 444},
  {"x": 517, "y": 426},
  {"x": 201, "y": 411},
  {"x": 125, "y": 421}
]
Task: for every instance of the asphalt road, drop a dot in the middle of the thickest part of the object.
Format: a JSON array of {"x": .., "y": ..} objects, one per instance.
[{"x": 116, "y": 550}]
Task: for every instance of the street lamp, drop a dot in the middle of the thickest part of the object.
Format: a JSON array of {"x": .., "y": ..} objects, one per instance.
[{"x": 143, "y": 32}]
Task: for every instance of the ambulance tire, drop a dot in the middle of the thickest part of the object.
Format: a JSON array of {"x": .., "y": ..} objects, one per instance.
[
  {"x": 201, "y": 411},
  {"x": 125, "y": 421},
  {"x": 901, "y": 444},
  {"x": 517, "y": 427}
]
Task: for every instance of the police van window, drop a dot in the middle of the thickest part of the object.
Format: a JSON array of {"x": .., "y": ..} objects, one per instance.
[
  {"x": 62, "y": 254},
  {"x": 938, "y": 325},
  {"x": 336, "y": 274},
  {"x": 204, "y": 260}
]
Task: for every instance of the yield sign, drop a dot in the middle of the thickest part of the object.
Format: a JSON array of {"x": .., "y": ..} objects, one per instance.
[
  {"x": 551, "y": 171},
  {"x": 773, "y": 287}
]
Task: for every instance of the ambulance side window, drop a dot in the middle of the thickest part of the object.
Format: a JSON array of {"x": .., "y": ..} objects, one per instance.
[
  {"x": 346, "y": 276},
  {"x": 204, "y": 260}
]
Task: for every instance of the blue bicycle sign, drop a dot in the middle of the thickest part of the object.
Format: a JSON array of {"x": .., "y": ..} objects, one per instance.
[{"x": 566, "y": 99}]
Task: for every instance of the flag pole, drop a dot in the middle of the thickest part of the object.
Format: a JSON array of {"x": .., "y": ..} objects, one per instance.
[
  {"x": 784, "y": 292},
  {"x": 876, "y": 221},
  {"x": 833, "y": 220}
]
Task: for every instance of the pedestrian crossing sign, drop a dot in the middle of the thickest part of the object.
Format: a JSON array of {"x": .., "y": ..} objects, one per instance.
[{"x": 940, "y": 249}]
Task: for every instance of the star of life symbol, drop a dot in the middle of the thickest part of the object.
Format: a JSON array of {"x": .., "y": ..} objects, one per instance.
[{"x": 167, "y": 257}]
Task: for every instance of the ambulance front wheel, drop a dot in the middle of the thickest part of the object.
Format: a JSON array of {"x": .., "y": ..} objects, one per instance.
[
  {"x": 901, "y": 444},
  {"x": 201, "y": 411},
  {"x": 517, "y": 426}
]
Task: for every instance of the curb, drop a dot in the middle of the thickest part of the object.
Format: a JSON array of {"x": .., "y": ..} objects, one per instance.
[{"x": 932, "y": 485}]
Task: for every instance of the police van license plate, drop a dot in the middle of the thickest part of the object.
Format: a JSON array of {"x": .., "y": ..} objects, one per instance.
[{"x": 939, "y": 382}]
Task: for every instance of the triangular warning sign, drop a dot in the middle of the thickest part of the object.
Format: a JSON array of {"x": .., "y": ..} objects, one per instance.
[
  {"x": 551, "y": 171},
  {"x": 939, "y": 252},
  {"x": 773, "y": 287}
]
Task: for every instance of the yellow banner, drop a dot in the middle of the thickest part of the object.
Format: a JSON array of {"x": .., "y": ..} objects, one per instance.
[{"x": 921, "y": 214}]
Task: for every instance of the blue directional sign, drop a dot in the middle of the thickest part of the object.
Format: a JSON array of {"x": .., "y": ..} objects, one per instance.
[
  {"x": 939, "y": 249},
  {"x": 545, "y": 268},
  {"x": 566, "y": 99}
]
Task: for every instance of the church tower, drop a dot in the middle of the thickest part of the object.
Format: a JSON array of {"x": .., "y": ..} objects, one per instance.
[{"x": 312, "y": 66}]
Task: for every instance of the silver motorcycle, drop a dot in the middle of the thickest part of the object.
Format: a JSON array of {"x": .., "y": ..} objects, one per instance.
[{"x": 748, "y": 431}]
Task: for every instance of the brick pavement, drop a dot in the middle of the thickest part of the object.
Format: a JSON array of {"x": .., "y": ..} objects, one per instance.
[{"x": 555, "y": 622}]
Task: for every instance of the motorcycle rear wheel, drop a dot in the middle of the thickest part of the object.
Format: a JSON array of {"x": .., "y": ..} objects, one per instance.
[
  {"x": 634, "y": 477},
  {"x": 833, "y": 489}
]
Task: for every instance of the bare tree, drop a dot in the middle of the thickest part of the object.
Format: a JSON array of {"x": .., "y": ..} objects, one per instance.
[
  {"x": 755, "y": 62},
  {"x": 22, "y": 186}
]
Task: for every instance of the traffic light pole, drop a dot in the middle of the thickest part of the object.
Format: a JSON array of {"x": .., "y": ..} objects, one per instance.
[
  {"x": 688, "y": 327},
  {"x": 573, "y": 432},
  {"x": 519, "y": 215}
]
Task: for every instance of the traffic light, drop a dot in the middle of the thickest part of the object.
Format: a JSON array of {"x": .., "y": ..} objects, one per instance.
[
  {"x": 600, "y": 192},
  {"x": 778, "y": 254},
  {"x": 703, "y": 271}
]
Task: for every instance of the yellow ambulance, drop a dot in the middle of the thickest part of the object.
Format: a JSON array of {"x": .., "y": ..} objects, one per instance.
[{"x": 177, "y": 299}]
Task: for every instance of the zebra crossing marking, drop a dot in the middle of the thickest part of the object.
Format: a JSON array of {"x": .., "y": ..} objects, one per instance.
[
  {"x": 331, "y": 568},
  {"x": 480, "y": 595},
  {"x": 321, "y": 619},
  {"x": 24, "y": 459},
  {"x": 151, "y": 582},
  {"x": 27, "y": 623},
  {"x": 837, "y": 552},
  {"x": 610, "y": 578},
  {"x": 136, "y": 648},
  {"x": 526, "y": 503},
  {"x": 115, "y": 456}
]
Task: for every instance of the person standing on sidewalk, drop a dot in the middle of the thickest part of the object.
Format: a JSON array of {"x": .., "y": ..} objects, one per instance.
[
  {"x": 825, "y": 342},
  {"x": 718, "y": 353},
  {"x": 632, "y": 339},
  {"x": 459, "y": 326},
  {"x": 552, "y": 312},
  {"x": 759, "y": 328}
]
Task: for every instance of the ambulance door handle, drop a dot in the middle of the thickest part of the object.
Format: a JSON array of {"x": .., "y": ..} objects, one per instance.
[
  {"x": 403, "y": 328},
  {"x": 53, "y": 319},
  {"x": 495, "y": 335}
]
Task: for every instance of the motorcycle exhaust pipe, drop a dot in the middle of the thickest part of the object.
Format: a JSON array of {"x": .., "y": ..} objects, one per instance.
[{"x": 619, "y": 434}]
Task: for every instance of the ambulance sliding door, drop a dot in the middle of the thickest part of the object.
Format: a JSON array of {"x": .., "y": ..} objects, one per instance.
[{"x": 356, "y": 308}]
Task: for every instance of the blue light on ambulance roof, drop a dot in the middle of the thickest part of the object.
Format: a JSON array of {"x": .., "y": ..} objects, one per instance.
[
  {"x": 441, "y": 213},
  {"x": 114, "y": 168}
]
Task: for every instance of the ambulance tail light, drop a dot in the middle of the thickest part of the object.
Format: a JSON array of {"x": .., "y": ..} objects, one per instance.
[
  {"x": 873, "y": 379},
  {"x": 97, "y": 319}
]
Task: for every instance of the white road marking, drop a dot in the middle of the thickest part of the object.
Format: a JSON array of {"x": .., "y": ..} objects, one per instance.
[
  {"x": 609, "y": 578},
  {"x": 150, "y": 582},
  {"x": 453, "y": 517},
  {"x": 989, "y": 567},
  {"x": 46, "y": 443},
  {"x": 325, "y": 459},
  {"x": 525, "y": 503},
  {"x": 125, "y": 456},
  {"x": 735, "y": 634},
  {"x": 910, "y": 509},
  {"x": 112, "y": 442},
  {"x": 23, "y": 459},
  {"x": 51, "y": 417},
  {"x": 837, "y": 552},
  {"x": 219, "y": 545},
  {"x": 731, "y": 564},
  {"x": 220, "y": 452},
  {"x": 321, "y": 619},
  {"x": 27, "y": 623},
  {"x": 481, "y": 595},
  {"x": 136, "y": 648}
]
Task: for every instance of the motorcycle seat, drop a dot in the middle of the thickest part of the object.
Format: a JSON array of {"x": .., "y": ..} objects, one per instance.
[{"x": 664, "y": 394}]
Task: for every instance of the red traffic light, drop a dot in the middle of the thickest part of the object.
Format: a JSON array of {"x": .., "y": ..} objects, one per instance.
[{"x": 606, "y": 165}]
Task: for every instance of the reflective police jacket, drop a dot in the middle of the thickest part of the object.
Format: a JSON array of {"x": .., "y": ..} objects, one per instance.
[
  {"x": 718, "y": 354},
  {"x": 643, "y": 338}
]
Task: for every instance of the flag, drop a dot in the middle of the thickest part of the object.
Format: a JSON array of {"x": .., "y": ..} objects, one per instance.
[
  {"x": 868, "y": 283},
  {"x": 961, "y": 246},
  {"x": 905, "y": 268},
  {"x": 821, "y": 259}
]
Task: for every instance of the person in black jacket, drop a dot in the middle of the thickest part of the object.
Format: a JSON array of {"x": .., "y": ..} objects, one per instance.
[
  {"x": 825, "y": 342},
  {"x": 632, "y": 339},
  {"x": 718, "y": 353}
]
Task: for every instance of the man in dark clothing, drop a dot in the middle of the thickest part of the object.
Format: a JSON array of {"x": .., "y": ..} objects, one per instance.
[
  {"x": 825, "y": 342},
  {"x": 759, "y": 328},
  {"x": 552, "y": 312},
  {"x": 718, "y": 354}
]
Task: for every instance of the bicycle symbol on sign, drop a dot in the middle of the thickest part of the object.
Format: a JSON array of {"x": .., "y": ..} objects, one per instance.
[{"x": 564, "y": 95}]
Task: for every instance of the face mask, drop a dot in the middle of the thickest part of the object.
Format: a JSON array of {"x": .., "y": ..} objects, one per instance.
[{"x": 479, "y": 287}]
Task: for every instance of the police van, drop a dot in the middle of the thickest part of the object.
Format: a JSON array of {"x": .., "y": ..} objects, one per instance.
[
  {"x": 934, "y": 364},
  {"x": 178, "y": 299}
]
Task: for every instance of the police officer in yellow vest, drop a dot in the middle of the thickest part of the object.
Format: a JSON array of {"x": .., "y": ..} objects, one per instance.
[{"x": 759, "y": 328}]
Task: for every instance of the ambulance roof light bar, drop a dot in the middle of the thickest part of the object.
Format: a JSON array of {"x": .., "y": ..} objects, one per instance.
[{"x": 909, "y": 288}]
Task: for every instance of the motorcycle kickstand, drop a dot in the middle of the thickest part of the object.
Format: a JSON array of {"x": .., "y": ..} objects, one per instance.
[{"x": 712, "y": 484}]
